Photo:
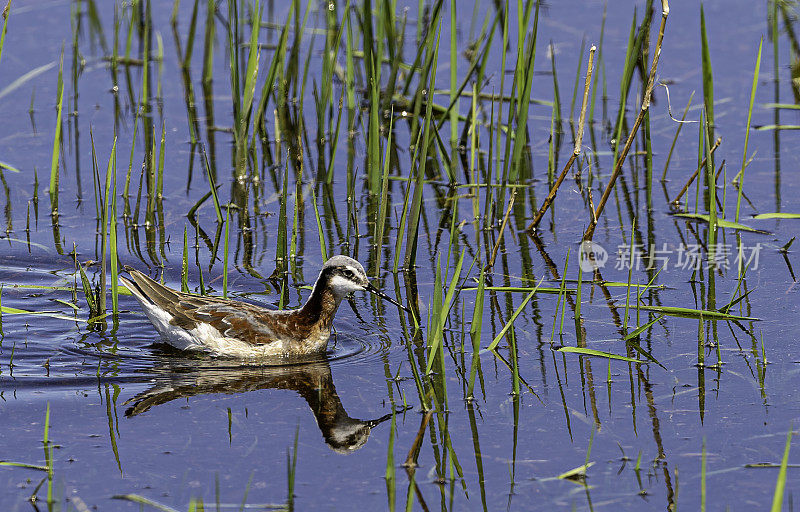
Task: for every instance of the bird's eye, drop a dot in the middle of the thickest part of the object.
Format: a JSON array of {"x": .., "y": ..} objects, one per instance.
[{"x": 348, "y": 273}]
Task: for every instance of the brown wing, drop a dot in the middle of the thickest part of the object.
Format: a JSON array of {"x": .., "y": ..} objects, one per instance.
[{"x": 235, "y": 319}]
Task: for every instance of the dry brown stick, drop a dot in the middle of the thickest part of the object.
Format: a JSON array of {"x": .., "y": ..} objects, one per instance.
[
  {"x": 692, "y": 178},
  {"x": 502, "y": 229},
  {"x": 642, "y": 112},
  {"x": 411, "y": 460},
  {"x": 719, "y": 171},
  {"x": 578, "y": 140}
]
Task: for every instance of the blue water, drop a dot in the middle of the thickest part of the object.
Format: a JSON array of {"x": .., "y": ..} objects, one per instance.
[{"x": 127, "y": 416}]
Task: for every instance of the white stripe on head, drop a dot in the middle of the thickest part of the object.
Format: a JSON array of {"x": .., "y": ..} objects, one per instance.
[{"x": 341, "y": 286}]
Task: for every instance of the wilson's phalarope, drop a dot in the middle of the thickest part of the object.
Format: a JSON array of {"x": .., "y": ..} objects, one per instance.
[{"x": 232, "y": 328}]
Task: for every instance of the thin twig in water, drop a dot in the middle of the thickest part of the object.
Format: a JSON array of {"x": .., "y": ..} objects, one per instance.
[
  {"x": 502, "y": 229},
  {"x": 696, "y": 172},
  {"x": 411, "y": 460},
  {"x": 575, "y": 153},
  {"x": 642, "y": 112},
  {"x": 669, "y": 107}
]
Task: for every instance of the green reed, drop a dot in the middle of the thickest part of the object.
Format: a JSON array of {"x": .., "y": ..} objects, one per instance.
[
  {"x": 707, "y": 72},
  {"x": 6, "y": 12},
  {"x": 404, "y": 212},
  {"x": 440, "y": 310},
  {"x": 160, "y": 60},
  {"x": 380, "y": 221},
  {"x": 453, "y": 74},
  {"x": 291, "y": 471},
  {"x": 557, "y": 121},
  {"x": 416, "y": 204},
  {"x": 48, "y": 456},
  {"x": 213, "y": 186},
  {"x": 274, "y": 73},
  {"x": 780, "y": 483},
  {"x": 389, "y": 474},
  {"x": 104, "y": 199},
  {"x": 281, "y": 249},
  {"x": 675, "y": 138},
  {"x": 190, "y": 35},
  {"x": 323, "y": 247},
  {"x": 395, "y": 39},
  {"x": 349, "y": 73},
  {"x": 185, "y": 264},
  {"x": 225, "y": 252},
  {"x": 562, "y": 299},
  {"x": 86, "y": 285},
  {"x": 146, "y": 24},
  {"x": 197, "y": 262},
  {"x": 208, "y": 42},
  {"x": 475, "y": 330},
  {"x": 323, "y": 101},
  {"x": 54, "y": 161},
  {"x": 711, "y": 187},
  {"x": 512, "y": 318},
  {"x": 523, "y": 74},
  {"x": 243, "y": 102},
  {"x": 631, "y": 264},
  {"x": 740, "y": 176},
  {"x": 631, "y": 52},
  {"x": 703, "y": 477},
  {"x": 126, "y": 189},
  {"x": 372, "y": 71},
  {"x": 297, "y": 231},
  {"x": 111, "y": 218}
]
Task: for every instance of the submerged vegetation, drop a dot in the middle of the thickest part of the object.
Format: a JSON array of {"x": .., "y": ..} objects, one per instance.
[{"x": 437, "y": 143}]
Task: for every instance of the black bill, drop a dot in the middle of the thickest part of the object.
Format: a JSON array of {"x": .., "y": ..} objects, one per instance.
[
  {"x": 378, "y": 421},
  {"x": 382, "y": 295}
]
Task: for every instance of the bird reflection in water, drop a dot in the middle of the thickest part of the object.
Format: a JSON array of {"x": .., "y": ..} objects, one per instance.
[{"x": 313, "y": 381}]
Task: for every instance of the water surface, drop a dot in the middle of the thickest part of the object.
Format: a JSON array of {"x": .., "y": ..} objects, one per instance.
[{"x": 127, "y": 416}]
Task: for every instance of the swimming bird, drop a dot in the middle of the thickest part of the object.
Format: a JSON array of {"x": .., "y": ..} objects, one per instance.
[{"x": 238, "y": 329}]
